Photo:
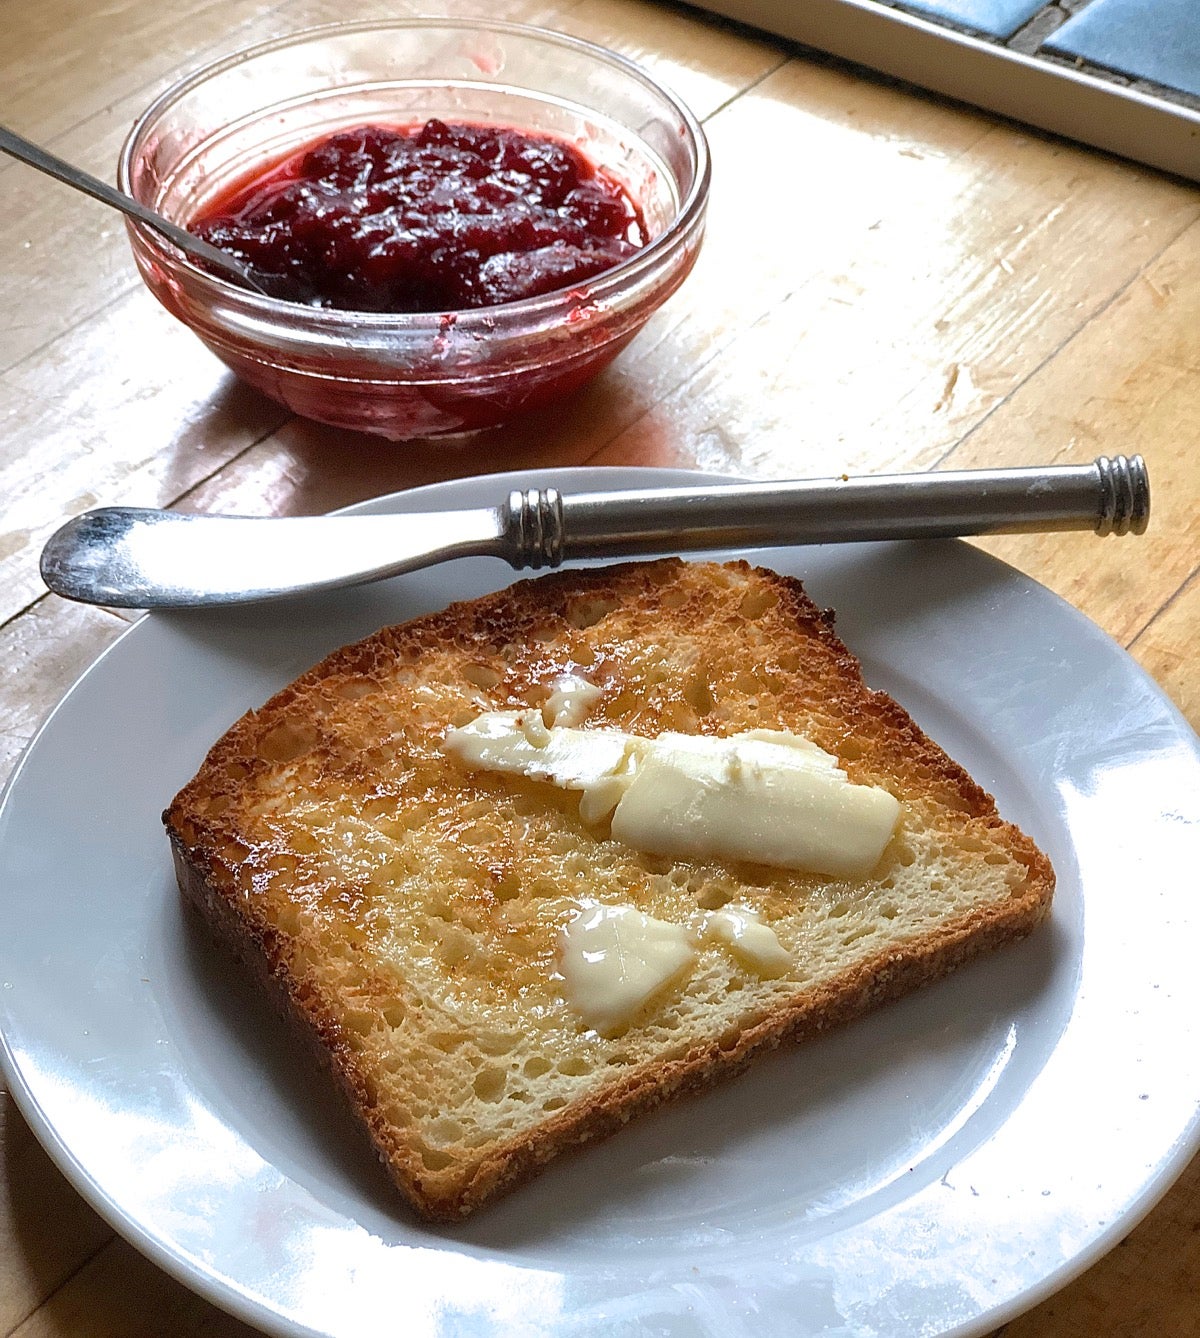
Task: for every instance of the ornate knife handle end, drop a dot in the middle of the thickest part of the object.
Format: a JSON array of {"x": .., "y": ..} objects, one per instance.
[
  {"x": 1124, "y": 495},
  {"x": 534, "y": 527}
]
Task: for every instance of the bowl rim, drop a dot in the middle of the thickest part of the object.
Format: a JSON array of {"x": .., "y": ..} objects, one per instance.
[{"x": 536, "y": 309}]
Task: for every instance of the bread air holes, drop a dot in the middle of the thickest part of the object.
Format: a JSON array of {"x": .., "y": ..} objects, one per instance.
[
  {"x": 289, "y": 919},
  {"x": 359, "y": 1021},
  {"x": 455, "y": 947},
  {"x": 489, "y": 1085},
  {"x": 756, "y": 602},
  {"x": 712, "y": 896},
  {"x": 443, "y": 1132},
  {"x": 481, "y": 676},
  {"x": 354, "y": 689},
  {"x": 287, "y": 741},
  {"x": 624, "y": 707},
  {"x": 699, "y": 695},
  {"x": 504, "y": 882},
  {"x": 588, "y": 612},
  {"x": 212, "y": 806},
  {"x": 480, "y": 836},
  {"x": 497, "y": 1042}
]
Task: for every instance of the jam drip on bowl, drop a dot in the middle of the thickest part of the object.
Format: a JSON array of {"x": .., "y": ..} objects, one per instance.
[{"x": 432, "y": 218}]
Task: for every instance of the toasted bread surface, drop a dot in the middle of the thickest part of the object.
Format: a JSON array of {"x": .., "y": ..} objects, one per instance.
[{"x": 406, "y": 912}]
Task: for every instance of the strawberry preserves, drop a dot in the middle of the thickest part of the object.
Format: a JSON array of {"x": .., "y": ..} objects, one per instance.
[{"x": 432, "y": 218}]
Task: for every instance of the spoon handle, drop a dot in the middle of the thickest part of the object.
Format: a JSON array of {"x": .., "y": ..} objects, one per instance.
[{"x": 35, "y": 156}]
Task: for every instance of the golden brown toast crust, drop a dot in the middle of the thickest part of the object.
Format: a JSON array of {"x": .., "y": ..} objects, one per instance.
[{"x": 395, "y": 907}]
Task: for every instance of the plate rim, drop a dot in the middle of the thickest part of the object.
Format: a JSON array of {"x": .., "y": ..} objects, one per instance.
[{"x": 225, "y": 1292}]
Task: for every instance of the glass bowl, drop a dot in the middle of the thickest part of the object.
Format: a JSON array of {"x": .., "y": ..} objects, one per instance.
[{"x": 418, "y": 375}]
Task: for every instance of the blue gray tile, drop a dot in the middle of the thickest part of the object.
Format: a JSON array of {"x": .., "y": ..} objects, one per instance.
[
  {"x": 1157, "y": 40},
  {"x": 996, "y": 18}
]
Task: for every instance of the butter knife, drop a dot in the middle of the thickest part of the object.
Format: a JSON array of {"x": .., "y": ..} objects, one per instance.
[{"x": 133, "y": 557}]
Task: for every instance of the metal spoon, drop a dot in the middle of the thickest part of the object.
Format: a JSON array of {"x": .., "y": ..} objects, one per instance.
[
  {"x": 198, "y": 250},
  {"x": 131, "y": 557}
]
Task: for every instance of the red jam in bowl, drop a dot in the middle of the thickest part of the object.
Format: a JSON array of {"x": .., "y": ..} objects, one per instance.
[{"x": 431, "y": 218}]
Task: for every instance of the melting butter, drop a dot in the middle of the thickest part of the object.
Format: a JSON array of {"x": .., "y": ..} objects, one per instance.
[
  {"x": 571, "y": 699},
  {"x": 520, "y": 742},
  {"x": 614, "y": 959},
  {"x": 753, "y": 943},
  {"x": 762, "y": 795}
]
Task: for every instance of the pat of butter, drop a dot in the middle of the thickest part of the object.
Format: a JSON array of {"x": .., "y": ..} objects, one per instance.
[
  {"x": 763, "y": 795},
  {"x": 520, "y": 742},
  {"x": 614, "y": 959},
  {"x": 752, "y": 942},
  {"x": 571, "y": 699}
]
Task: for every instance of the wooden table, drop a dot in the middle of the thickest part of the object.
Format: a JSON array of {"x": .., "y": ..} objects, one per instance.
[{"x": 925, "y": 286}]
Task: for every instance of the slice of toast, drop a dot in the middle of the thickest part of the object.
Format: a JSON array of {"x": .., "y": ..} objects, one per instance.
[{"x": 407, "y": 912}]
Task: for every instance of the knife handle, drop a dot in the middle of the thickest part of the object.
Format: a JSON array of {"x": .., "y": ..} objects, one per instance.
[{"x": 1109, "y": 496}]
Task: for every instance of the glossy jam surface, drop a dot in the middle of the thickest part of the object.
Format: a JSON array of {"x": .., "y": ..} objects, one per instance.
[{"x": 432, "y": 218}]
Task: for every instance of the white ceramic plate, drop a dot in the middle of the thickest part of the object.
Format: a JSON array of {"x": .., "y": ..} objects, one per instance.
[{"x": 933, "y": 1169}]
